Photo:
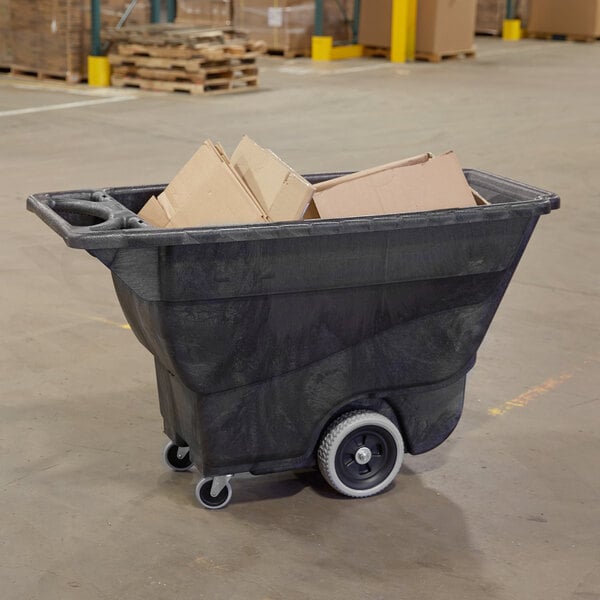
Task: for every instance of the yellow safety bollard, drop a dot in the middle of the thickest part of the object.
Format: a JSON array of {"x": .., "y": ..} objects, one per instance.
[
  {"x": 98, "y": 71},
  {"x": 399, "y": 31},
  {"x": 511, "y": 30},
  {"x": 404, "y": 30},
  {"x": 323, "y": 49}
]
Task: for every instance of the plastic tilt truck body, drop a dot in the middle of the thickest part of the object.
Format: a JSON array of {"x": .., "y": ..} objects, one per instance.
[{"x": 341, "y": 343}]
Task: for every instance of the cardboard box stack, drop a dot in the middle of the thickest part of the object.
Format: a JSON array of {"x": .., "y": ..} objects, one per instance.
[
  {"x": 256, "y": 186},
  {"x": 47, "y": 37},
  {"x": 5, "y": 34},
  {"x": 52, "y": 37},
  {"x": 490, "y": 16},
  {"x": 210, "y": 13},
  {"x": 374, "y": 27},
  {"x": 287, "y": 26},
  {"x": 579, "y": 19},
  {"x": 445, "y": 28}
]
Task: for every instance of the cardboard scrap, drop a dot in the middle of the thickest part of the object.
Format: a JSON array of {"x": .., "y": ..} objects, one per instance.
[
  {"x": 256, "y": 186},
  {"x": 415, "y": 184}
]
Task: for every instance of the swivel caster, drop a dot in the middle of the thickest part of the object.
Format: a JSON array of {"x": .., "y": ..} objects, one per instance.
[
  {"x": 214, "y": 492},
  {"x": 177, "y": 458}
]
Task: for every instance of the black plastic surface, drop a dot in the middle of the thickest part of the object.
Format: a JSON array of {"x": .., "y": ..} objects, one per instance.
[{"x": 262, "y": 334}]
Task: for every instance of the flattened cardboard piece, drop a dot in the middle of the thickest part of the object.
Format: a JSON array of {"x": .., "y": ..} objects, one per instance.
[
  {"x": 426, "y": 184},
  {"x": 205, "y": 192},
  {"x": 405, "y": 162},
  {"x": 281, "y": 192}
]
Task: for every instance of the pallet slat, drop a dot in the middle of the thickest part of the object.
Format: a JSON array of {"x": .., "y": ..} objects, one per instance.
[
  {"x": 20, "y": 71},
  {"x": 439, "y": 57},
  {"x": 561, "y": 37},
  {"x": 218, "y": 86}
]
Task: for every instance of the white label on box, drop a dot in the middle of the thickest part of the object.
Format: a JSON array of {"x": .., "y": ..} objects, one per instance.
[{"x": 274, "y": 16}]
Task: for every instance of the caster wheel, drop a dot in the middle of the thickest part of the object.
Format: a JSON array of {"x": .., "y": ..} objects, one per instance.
[
  {"x": 203, "y": 494},
  {"x": 177, "y": 458},
  {"x": 361, "y": 453}
]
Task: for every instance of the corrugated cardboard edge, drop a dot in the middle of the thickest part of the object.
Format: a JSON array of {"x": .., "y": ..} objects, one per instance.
[
  {"x": 221, "y": 152},
  {"x": 405, "y": 162}
]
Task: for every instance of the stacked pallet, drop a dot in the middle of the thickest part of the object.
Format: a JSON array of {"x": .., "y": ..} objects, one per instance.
[
  {"x": 178, "y": 59},
  {"x": 5, "y": 35}
]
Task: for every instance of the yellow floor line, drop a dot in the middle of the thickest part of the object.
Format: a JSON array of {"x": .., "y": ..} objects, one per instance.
[
  {"x": 109, "y": 322},
  {"x": 526, "y": 397}
]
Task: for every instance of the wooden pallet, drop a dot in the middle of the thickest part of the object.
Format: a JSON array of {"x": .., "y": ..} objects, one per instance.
[
  {"x": 561, "y": 37},
  {"x": 209, "y": 87},
  {"x": 376, "y": 52},
  {"x": 439, "y": 57},
  {"x": 190, "y": 65},
  {"x": 206, "y": 76},
  {"x": 289, "y": 53},
  {"x": 20, "y": 71},
  {"x": 203, "y": 51}
]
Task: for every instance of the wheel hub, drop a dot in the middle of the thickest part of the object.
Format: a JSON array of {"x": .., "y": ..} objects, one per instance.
[{"x": 363, "y": 455}]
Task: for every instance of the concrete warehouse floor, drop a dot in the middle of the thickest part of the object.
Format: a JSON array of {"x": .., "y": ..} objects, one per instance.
[{"x": 507, "y": 508}]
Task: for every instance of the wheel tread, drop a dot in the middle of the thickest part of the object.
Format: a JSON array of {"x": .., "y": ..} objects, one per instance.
[{"x": 326, "y": 447}]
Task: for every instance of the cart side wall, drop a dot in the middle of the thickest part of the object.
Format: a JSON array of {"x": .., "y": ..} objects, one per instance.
[
  {"x": 410, "y": 343},
  {"x": 304, "y": 313}
]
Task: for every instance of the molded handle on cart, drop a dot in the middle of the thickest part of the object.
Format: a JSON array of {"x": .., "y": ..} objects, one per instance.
[{"x": 98, "y": 204}]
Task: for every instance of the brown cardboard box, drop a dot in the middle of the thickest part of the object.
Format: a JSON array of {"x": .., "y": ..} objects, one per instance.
[
  {"x": 47, "y": 37},
  {"x": 445, "y": 26},
  {"x": 283, "y": 194},
  {"x": 206, "y": 191},
  {"x": 442, "y": 25},
  {"x": 575, "y": 17},
  {"x": 490, "y": 16},
  {"x": 416, "y": 184},
  {"x": 254, "y": 186},
  {"x": 288, "y": 25},
  {"x": 375, "y": 23}
]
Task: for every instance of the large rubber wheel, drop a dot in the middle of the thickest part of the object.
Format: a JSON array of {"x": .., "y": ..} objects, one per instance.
[
  {"x": 176, "y": 460},
  {"x": 361, "y": 453},
  {"x": 221, "y": 500}
]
